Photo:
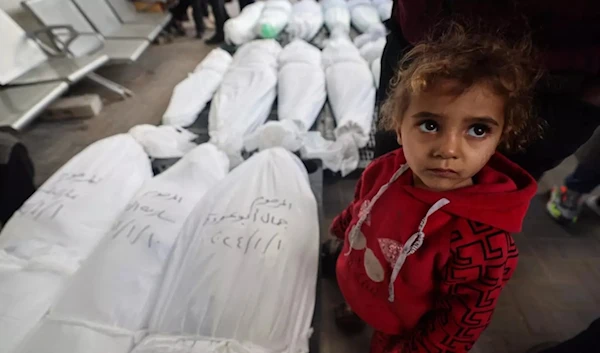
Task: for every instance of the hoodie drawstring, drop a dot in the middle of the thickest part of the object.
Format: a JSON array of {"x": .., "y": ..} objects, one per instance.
[
  {"x": 412, "y": 244},
  {"x": 355, "y": 231}
]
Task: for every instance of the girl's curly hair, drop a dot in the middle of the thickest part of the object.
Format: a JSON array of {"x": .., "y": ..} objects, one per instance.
[{"x": 469, "y": 57}]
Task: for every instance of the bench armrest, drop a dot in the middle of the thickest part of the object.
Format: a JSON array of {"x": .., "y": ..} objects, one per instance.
[{"x": 55, "y": 34}]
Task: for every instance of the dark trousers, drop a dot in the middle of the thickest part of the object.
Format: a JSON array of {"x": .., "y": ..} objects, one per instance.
[
  {"x": 200, "y": 9},
  {"x": 244, "y": 3},
  {"x": 587, "y": 341},
  {"x": 198, "y": 12},
  {"x": 570, "y": 121},
  {"x": 16, "y": 182},
  {"x": 586, "y": 176}
]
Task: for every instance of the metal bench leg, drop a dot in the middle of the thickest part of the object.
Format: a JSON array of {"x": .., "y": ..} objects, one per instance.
[{"x": 110, "y": 85}]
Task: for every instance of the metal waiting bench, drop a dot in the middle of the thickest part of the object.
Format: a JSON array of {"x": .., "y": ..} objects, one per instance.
[
  {"x": 127, "y": 13},
  {"x": 19, "y": 105},
  {"x": 102, "y": 17},
  {"x": 52, "y": 13},
  {"x": 30, "y": 79}
]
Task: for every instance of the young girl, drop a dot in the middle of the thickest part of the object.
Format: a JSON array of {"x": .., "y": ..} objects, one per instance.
[{"x": 427, "y": 245}]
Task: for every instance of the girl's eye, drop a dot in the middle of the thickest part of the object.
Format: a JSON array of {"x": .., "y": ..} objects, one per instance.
[
  {"x": 478, "y": 130},
  {"x": 429, "y": 126}
]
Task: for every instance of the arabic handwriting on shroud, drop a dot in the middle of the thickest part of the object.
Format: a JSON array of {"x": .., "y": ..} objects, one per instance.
[
  {"x": 50, "y": 200},
  {"x": 256, "y": 242},
  {"x": 258, "y": 213},
  {"x": 139, "y": 224}
]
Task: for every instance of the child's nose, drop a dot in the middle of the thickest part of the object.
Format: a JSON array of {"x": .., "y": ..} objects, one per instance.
[{"x": 449, "y": 146}]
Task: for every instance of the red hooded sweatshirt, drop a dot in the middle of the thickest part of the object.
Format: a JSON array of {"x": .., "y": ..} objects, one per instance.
[{"x": 424, "y": 268}]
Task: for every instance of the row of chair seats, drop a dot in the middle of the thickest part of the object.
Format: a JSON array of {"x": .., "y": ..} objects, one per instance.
[{"x": 84, "y": 35}]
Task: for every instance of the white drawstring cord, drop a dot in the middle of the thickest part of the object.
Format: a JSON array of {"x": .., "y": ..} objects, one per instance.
[
  {"x": 412, "y": 245},
  {"x": 355, "y": 231}
]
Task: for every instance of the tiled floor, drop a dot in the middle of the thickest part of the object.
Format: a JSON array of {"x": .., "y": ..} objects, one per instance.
[{"x": 555, "y": 292}]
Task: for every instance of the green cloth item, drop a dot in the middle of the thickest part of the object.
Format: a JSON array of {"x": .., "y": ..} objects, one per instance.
[{"x": 267, "y": 31}]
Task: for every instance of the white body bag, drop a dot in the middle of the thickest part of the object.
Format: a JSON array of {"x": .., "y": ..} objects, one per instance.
[
  {"x": 240, "y": 29},
  {"x": 301, "y": 96},
  {"x": 306, "y": 20},
  {"x": 191, "y": 95},
  {"x": 364, "y": 15},
  {"x": 336, "y": 16},
  {"x": 274, "y": 18},
  {"x": 59, "y": 226},
  {"x": 242, "y": 276},
  {"x": 107, "y": 304},
  {"x": 245, "y": 98},
  {"x": 351, "y": 93}
]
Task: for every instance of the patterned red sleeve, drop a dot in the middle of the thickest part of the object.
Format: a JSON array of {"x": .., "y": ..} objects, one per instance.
[
  {"x": 343, "y": 220},
  {"x": 482, "y": 261}
]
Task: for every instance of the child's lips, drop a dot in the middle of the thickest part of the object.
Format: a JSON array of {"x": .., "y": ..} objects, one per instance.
[{"x": 443, "y": 173}]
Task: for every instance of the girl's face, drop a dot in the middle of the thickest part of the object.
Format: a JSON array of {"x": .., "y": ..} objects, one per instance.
[{"x": 446, "y": 138}]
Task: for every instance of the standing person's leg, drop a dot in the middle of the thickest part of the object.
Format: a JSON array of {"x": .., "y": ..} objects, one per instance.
[
  {"x": 587, "y": 341},
  {"x": 218, "y": 8},
  {"x": 16, "y": 181},
  {"x": 198, "y": 10},
  {"x": 565, "y": 201},
  {"x": 179, "y": 11},
  {"x": 205, "y": 8},
  {"x": 244, "y": 3}
]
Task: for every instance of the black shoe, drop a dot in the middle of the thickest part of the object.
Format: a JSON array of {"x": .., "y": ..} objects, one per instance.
[
  {"x": 199, "y": 35},
  {"x": 216, "y": 39},
  {"x": 540, "y": 348}
]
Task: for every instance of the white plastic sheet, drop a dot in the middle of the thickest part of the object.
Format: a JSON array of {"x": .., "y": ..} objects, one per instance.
[
  {"x": 384, "y": 8},
  {"x": 336, "y": 15},
  {"x": 371, "y": 46},
  {"x": 301, "y": 96},
  {"x": 306, "y": 20},
  {"x": 59, "y": 226},
  {"x": 363, "y": 14},
  {"x": 301, "y": 88},
  {"x": 242, "y": 276},
  {"x": 274, "y": 18},
  {"x": 191, "y": 95},
  {"x": 288, "y": 134},
  {"x": 339, "y": 155},
  {"x": 240, "y": 29},
  {"x": 109, "y": 300},
  {"x": 372, "y": 51},
  {"x": 374, "y": 34},
  {"x": 351, "y": 93},
  {"x": 245, "y": 98},
  {"x": 164, "y": 141}
]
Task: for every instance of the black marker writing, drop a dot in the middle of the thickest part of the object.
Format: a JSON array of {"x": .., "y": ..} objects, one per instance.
[
  {"x": 256, "y": 213},
  {"x": 145, "y": 210},
  {"x": 135, "y": 232},
  {"x": 248, "y": 244},
  {"x": 39, "y": 208},
  {"x": 55, "y": 192},
  {"x": 164, "y": 196},
  {"x": 78, "y": 178}
]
